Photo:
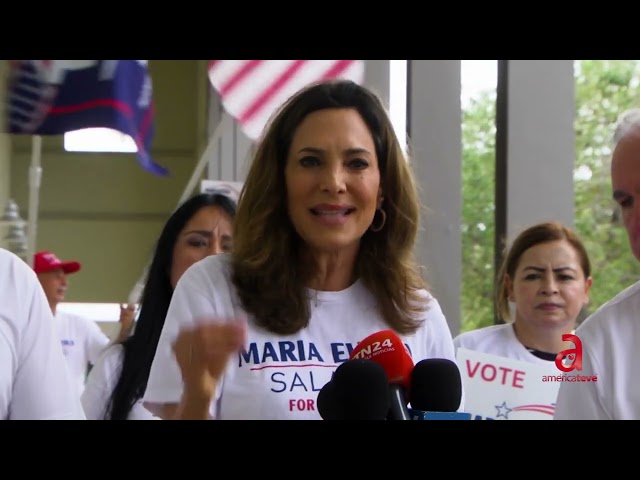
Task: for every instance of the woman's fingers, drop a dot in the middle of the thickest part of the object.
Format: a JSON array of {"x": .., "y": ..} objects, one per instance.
[
  {"x": 216, "y": 339},
  {"x": 205, "y": 348}
]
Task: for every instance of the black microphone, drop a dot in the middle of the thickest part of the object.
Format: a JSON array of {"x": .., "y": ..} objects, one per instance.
[
  {"x": 327, "y": 404},
  {"x": 436, "y": 386},
  {"x": 358, "y": 390}
]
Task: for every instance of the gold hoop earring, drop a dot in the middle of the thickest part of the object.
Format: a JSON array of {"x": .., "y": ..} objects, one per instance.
[{"x": 384, "y": 220}]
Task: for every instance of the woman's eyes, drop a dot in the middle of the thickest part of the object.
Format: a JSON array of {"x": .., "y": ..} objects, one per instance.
[
  {"x": 309, "y": 161},
  {"x": 625, "y": 202},
  {"x": 355, "y": 163},
  {"x": 198, "y": 242},
  {"x": 561, "y": 277}
]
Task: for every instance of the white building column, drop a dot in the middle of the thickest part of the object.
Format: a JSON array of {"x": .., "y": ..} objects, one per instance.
[
  {"x": 435, "y": 137},
  {"x": 229, "y": 161},
  {"x": 540, "y": 143},
  {"x": 377, "y": 77},
  {"x": 5, "y": 142}
]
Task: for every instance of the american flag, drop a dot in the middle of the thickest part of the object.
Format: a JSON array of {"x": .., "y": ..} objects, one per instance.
[
  {"x": 52, "y": 97},
  {"x": 251, "y": 90}
]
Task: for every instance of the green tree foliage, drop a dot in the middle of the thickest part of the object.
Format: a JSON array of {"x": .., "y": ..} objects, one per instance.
[
  {"x": 478, "y": 206},
  {"x": 604, "y": 89}
]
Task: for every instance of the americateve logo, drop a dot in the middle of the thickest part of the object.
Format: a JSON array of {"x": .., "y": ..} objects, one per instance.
[
  {"x": 569, "y": 360},
  {"x": 573, "y": 355}
]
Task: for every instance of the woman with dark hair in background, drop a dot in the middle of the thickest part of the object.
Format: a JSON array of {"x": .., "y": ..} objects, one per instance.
[{"x": 200, "y": 227}]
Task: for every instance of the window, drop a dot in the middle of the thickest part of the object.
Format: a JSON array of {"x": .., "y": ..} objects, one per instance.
[
  {"x": 98, "y": 140},
  {"x": 98, "y": 312},
  {"x": 478, "y": 101}
]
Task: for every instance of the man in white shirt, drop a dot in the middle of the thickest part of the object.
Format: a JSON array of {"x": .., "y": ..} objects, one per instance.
[
  {"x": 82, "y": 339},
  {"x": 34, "y": 379},
  {"x": 609, "y": 338}
]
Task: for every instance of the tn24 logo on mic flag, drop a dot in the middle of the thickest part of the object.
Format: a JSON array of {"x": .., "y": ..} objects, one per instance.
[{"x": 52, "y": 97}]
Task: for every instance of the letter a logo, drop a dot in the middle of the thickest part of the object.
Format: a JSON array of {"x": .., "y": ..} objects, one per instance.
[{"x": 573, "y": 354}]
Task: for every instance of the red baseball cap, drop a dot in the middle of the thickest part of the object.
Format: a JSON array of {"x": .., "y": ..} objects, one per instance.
[{"x": 46, "y": 261}]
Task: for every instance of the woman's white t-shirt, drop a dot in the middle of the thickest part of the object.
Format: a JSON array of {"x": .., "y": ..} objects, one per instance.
[{"x": 279, "y": 376}]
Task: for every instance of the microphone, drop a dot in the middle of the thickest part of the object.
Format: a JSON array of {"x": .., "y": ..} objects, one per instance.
[
  {"x": 387, "y": 350},
  {"x": 436, "y": 390},
  {"x": 358, "y": 390},
  {"x": 327, "y": 403}
]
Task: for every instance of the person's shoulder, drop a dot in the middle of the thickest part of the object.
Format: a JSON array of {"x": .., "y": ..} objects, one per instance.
[
  {"x": 428, "y": 300},
  {"x": 216, "y": 263},
  {"x": 471, "y": 337},
  {"x": 621, "y": 308},
  {"x": 8, "y": 258},
  {"x": 629, "y": 294},
  {"x": 428, "y": 306},
  {"x": 211, "y": 269},
  {"x": 431, "y": 315},
  {"x": 22, "y": 299},
  {"x": 14, "y": 269},
  {"x": 424, "y": 294},
  {"x": 72, "y": 317},
  {"x": 78, "y": 321}
]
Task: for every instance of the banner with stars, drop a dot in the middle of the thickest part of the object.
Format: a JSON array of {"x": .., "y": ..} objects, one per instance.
[{"x": 500, "y": 388}]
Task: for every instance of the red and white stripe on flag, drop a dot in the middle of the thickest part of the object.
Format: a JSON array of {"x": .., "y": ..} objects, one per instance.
[{"x": 251, "y": 90}]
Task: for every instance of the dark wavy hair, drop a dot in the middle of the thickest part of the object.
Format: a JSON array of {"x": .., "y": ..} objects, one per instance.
[
  {"x": 140, "y": 348},
  {"x": 268, "y": 273}
]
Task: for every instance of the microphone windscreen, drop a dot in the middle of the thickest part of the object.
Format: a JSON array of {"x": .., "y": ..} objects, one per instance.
[
  {"x": 328, "y": 407},
  {"x": 388, "y": 350},
  {"x": 436, "y": 385},
  {"x": 361, "y": 390}
]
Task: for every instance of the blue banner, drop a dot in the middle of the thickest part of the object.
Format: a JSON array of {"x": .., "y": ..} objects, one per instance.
[{"x": 52, "y": 97}]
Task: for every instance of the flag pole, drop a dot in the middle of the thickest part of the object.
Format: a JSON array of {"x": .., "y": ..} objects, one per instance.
[
  {"x": 224, "y": 124},
  {"x": 35, "y": 176}
]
